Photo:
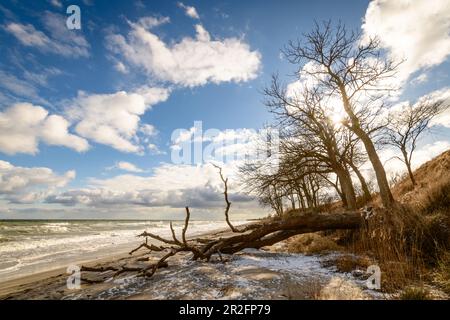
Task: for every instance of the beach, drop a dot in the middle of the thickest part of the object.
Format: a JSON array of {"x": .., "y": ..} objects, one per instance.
[
  {"x": 29, "y": 247},
  {"x": 271, "y": 273}
]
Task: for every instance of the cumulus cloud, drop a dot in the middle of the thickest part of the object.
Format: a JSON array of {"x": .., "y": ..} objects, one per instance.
[
  {"x": 113, "y": 119},
  {"x": 27, "y": 185},
  {"x": 58, "y": 39},
  {"x": 189, "y": 11},
  {"x": 417, "y": 31},
  {"x": 190, "y": 62},
  {"x": 170, "y": 185},
  {"x": 23, "y": 126},
  {"x": 148, "y": 130}
]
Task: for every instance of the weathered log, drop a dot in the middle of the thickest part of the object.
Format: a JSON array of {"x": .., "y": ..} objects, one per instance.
[
  {"x": 283, "y": 229},
  {"x": 256, "y": 236}
]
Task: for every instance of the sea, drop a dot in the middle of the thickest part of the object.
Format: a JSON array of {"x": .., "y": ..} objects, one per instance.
[{"x": 33, "y": 246}]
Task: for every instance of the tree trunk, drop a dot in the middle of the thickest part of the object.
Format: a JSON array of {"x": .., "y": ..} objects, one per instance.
[
  {"x": 300, "y": 199},
  {"x": 408, "y": 166},
  {"x": 341, "y": 195},
  {"x": 347, "y": 187},
  {"x": 308, "y": 197},
  {"x": 385, "y": 192},
  {"x": 366, "y": 193},
  {"x": 292, "y": 198},
  {"x": 273, "y": 232}
]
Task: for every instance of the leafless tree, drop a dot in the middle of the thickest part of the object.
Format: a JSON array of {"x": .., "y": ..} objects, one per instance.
[
  {"x": 308, "y": 132},
  {"x": 357, "y": 73},
  {"x": 407, "y": 124}
]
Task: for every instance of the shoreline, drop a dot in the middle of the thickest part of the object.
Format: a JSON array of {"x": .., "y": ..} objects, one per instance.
[
  {"x": 20, "y": 283},
  {"x": 16, "y": 285}
]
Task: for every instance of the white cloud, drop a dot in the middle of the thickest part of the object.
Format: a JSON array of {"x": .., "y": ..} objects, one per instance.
[
  {"x": 28, "y": 35},
  {"x": 113, "y": 119},
  {"x": 148, "y": 130},
  {"x": 60, "y": 40},
  {"x": 27, "y": 185},
  {"x": 119, "y": 66},
  {"x": 152, "y": 22},
  {"x": 421, "y": 78},
  {"x": 169, "y": 186},
  {"x": 23, "y": 126},
  {"x": 126, "y": 166},
  {"x": 417, "y": 31},
  {"x": 154, "y": 149},
  {"x": 189, "y": 11},
  {"x": 19, "y": 87},
  {"x": 190, "y": 62}
]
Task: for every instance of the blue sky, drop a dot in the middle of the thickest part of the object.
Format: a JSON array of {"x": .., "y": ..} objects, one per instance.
[{"x": 88, "y": 114}]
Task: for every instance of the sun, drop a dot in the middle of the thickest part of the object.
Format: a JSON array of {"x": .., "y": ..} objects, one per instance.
[{"x": 337, "y": 117}]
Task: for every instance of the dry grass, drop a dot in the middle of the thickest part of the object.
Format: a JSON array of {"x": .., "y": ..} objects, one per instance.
[
  {"x": 311, "y": 243},
  {"x": 348, "y": 263},
  {"x": 415, "y": 293},
  {"x": 429, "y": 173},
  {"x": 441, "y": 276},
  {"x": 410, "y": 243},
  {"x": 394, "y": 238}
]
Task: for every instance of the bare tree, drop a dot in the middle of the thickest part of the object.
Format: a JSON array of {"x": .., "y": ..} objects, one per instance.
[
  {"x": 407, "y": 124},
  {"x": 309, "y": 131},
  {"x": 357, "y": 73},
  {"x": 271, "y": 195}
]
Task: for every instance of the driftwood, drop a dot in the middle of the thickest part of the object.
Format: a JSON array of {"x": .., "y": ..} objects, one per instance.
[{"x": 255, "y": 235}]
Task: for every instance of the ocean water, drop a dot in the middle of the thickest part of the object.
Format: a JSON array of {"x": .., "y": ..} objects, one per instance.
[{"x": 28, "y": 247}]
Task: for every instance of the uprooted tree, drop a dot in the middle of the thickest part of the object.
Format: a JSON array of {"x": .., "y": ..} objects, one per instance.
[{"x": 255, "y": 235}]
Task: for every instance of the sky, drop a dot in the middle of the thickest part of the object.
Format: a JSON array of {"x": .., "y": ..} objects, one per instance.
[{"x": 93, "y": 120}]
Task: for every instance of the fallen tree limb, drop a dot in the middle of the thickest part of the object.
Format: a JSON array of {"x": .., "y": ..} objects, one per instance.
[
  {"x": 258, "y": 235},
  {"x": 255, "y": 235}
]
